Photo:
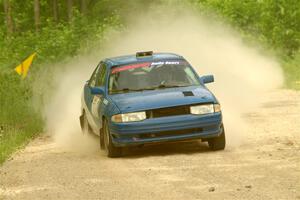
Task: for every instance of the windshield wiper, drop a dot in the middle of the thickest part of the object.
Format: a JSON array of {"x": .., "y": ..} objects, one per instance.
[
  {"x": 170, "y": 86},
  {"x": 161, "y": 86},
  {"x": 167, "y": 86},
  {"x": 124, "y": 90}
]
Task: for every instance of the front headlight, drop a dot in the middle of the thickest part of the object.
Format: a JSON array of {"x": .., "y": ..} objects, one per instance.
[
  {"x": 129, "y": 117},
  {"x": 217, "y": 107},
  {"x": 205, "y": 109}
]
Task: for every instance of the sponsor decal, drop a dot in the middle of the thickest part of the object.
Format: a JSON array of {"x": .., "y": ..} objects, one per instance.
[
  {"x": 145, "y": 64},
  {"x": 166, "y": 63},
  {"x": 127, "y": 67},
  {"x": 95, "y": 105},
  {"x": 172, "y": 63},
  {"x": 157, "y": 63},
  {"x": 105, "y": 101}
]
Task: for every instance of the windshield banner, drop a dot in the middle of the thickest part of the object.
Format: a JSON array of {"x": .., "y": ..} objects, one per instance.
[{"x": 145, "y": 64}]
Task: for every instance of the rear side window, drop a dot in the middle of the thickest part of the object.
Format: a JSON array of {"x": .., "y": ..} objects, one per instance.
[
  {"x": 99, "y": 76},
  {"x": 102, "y": 75},
  {"x": 93, "y": 79}
]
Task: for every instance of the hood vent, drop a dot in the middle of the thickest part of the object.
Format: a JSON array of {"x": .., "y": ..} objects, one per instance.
[{"x": 188, "y": 93}]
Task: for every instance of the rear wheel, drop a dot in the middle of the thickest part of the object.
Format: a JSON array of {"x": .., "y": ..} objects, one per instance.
[
  {"x": 111, "y": 150},
  {"x": 102, "y": 145},
  {"x": 217, "y": 143}
]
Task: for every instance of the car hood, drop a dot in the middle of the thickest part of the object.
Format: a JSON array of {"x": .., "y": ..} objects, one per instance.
[{"x": 160, "y": 98}]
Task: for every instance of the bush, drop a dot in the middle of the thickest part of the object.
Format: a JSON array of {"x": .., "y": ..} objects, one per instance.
[
  {"x": 273, "y": 22},
  {"x": 18, "y": 121},
  {"x": 291, "y": 69}
]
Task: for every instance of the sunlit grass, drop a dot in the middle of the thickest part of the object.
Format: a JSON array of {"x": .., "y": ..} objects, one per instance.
[
  {"x": 292, "y": 72},
  {"x": 11, "y": 140},
  {"x": 19, "y": 122}
]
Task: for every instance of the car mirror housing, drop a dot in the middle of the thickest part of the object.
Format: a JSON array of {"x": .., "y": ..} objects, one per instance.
[
  {"x": 207, "y": 79},
  {"x": 97, "y": 90}
]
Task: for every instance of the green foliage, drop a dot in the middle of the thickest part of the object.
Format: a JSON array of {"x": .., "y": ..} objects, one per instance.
[
  {"x": 273, "y": 22},
  {"x": 12, "y": 138},
  {"x": 54, "y": 43},
  {"x": 18, "y": 120},
  {"x": 15, "y": 93},
  {"x": 291, "y": 68}
]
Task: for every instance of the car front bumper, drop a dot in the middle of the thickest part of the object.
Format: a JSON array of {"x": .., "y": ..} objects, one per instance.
[{"x": 166, "y": 129}]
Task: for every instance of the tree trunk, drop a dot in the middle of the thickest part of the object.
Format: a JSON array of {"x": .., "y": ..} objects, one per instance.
[
  {"x": 55, "y": 10},
  {"x": 8, "y": 17},
  {"x": 83, "y": 6},
  {"x": 70, "y": 10},
  {"x": 37, "y": 20}
]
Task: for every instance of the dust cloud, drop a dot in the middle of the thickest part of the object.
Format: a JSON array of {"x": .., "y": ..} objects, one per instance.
[
  {"x": 242, "y": 74},
  {"x": 62, "y": 110}
]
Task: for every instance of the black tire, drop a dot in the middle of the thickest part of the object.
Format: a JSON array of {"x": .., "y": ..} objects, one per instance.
[
  {"x": 86, "y": 129},
  {"x": 217, "y": 143},
  {"x": 111, "y": 150},
  {"x": 102, "y": 145}
]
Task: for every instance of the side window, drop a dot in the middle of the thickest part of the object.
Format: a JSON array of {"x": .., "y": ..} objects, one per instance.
[
  {"x": 93, "y": 78},
  {"x": 102, "y": 76}
]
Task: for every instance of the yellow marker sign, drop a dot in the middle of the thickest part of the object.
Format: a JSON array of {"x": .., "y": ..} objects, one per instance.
[{"x": 23, "y": 68}]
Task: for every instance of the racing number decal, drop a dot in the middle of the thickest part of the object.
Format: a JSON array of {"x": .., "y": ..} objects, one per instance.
[{"x": 95, "y": 105}]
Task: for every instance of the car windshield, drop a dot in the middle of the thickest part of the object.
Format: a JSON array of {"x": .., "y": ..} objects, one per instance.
[{"x": 151, "y": 76}]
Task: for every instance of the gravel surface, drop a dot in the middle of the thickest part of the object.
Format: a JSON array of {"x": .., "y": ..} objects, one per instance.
[{"x": 266, "y": 166}]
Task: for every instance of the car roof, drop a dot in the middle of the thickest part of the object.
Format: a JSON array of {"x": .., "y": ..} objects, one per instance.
[{"x": 123, "y": 60}]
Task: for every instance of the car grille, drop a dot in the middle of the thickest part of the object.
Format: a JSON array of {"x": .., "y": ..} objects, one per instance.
[
  {"x": 170, "y": 111},
  {"x": 171, "y": 133}
]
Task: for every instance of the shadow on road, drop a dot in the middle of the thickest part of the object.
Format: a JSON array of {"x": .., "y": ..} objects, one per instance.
[
  {"x": 161, "y": 149},
  {"x": 191, "y": 147}
]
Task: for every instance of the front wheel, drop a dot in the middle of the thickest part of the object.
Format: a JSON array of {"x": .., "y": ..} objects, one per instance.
[
  {"x": 111, "y": 150},
  {"x": 218, "y": 143},
  {"x": 85, "y": 127}
]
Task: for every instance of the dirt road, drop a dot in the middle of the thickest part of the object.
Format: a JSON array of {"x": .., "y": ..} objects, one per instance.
[{"x": 266, "y": 166}]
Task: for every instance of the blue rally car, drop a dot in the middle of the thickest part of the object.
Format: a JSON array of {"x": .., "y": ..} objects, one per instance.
[{"x": 150, "y": 98}]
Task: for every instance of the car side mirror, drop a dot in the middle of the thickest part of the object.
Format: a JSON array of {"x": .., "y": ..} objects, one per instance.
[
  {"x": 97, "y": 90},
  {"x": 207, "y": 79}
]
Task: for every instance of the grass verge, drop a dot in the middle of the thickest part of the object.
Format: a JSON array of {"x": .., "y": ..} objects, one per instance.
[
  {"x": 291, "y": 68},
  {"x": 14, "y": 139},
  {"x": 19, "y": 121}
]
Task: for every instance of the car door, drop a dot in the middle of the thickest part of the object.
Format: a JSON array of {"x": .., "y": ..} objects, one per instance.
[
  {"x": 89, "y": 97},
  {"x": 99, "y": 102}
]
